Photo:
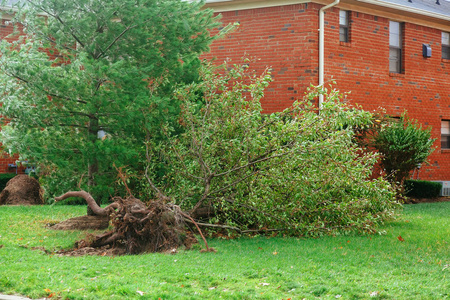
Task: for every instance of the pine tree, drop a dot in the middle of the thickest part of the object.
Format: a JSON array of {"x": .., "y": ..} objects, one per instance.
[{"x": 87, "y": 80}]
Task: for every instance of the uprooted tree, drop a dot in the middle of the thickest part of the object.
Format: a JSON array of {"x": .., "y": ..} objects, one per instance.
[{"x": 235, "y": 169}]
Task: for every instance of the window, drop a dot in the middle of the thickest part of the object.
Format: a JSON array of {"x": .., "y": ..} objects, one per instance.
[
  {"x": 344, "y": 26},
  {"x": 445, "y": 134},
  {"x": 395, "y": 47},
  {"x": 445, "y": 45}
]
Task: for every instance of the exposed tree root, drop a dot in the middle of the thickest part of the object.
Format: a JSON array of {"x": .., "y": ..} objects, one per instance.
[{"x": 139, "y": 228}]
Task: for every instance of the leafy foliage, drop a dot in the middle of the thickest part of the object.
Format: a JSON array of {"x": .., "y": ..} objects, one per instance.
[
  {"x": 297, "y": 170},
  {"x": 403, "y": 146},
  {"x": 4, "y": 178},
  {"x": 107, "y": 68}
]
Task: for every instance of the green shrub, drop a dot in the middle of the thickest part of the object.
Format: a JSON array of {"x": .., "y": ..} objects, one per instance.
[
  {"x": 403, "y": 146},
  {"x": 4, "y": 178},
  {"x": 422, "y": 188}
]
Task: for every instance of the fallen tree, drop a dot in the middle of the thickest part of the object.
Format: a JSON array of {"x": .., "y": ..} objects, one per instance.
[
  {"x": 300, "y": 172},
  {"x": 233, "y": 169}
]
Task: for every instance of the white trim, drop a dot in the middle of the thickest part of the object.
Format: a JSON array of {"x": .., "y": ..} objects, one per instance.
[
  {"x": 322, "y": 47},
  {"x": 7, "y": 8},
  {"x": 407, "y": 9},
  {"x": 231, "y": 5},
  {"x": 5, "y": 16}
]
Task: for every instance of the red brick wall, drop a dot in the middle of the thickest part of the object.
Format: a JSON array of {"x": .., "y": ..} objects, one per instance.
[
  {"x": 362, "y": 67},
  {"x": 5, "y": 30},
  {"x": 286, "y": 39},
  {"x": 282, "y": 38}
]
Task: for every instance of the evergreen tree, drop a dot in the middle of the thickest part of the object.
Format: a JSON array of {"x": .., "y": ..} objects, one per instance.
[{"x": 87, "y": 80}]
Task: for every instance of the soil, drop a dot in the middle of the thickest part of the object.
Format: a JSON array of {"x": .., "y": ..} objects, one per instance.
[
  {"x": 102, "y": 251},
  {"x": 21, "y": 190},
  {"x": 83, "y": 223}
]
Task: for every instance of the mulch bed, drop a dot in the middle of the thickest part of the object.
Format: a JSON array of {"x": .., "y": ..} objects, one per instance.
[{"x": 411, "y": 200}]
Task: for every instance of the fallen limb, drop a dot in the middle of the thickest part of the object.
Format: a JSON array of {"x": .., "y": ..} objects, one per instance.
[
  {"x": 201, "y": 234},
  {"x": 89, "y": 200},
  {"x": 216, "y": 226}
]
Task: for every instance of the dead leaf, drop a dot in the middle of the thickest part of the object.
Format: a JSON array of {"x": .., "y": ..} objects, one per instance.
[{"x": 400, "y": 238}]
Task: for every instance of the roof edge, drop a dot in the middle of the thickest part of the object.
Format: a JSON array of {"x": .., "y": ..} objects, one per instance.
[
  {"x": 229, "y": 5},
  {"x": 407, "y": 9}
]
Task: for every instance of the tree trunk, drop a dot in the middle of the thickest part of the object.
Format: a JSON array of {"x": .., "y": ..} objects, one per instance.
[{"x": 93, "y": 161}]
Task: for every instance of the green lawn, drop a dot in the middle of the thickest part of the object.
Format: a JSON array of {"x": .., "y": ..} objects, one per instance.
[{"x": 343, "y": 267}]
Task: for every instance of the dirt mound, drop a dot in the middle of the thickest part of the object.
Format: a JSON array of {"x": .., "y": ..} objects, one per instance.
[{"x": 21, "y": 190}]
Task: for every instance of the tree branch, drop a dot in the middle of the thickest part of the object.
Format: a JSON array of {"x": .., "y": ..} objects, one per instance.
[
  {"x": 41, "y": 89},
  {"x": 103, "y": 52}
]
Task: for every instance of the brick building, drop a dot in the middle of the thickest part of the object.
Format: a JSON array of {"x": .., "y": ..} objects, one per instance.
[{"x": 393, "y": 54}]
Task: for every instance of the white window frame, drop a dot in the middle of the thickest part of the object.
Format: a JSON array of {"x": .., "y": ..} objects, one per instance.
[
  {"x": 395, "y": 47},
  {"x": 445, "y": 41},
  {"x": 344, "y": 26},
  {"x": 445, "y": 134}
]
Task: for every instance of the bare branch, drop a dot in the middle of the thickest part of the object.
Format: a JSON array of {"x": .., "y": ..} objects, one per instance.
[
  {"x": 216, "y": 226},
  {"x": 159, "y": 194},
  {"x": 205, "y": 193},
  {"x": 179, "y": 156},
  {"x": 59, "y": 20},
  {"x": 198, "y": 228},
  {"x": 41, "y": 89},
  {"x": 259, "y": 211},
  {"x": 254, "y": 162}
]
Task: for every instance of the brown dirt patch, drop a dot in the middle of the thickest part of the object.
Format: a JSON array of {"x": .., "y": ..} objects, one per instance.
[
  {"x": 83, "y": 223},
  {"x": 91, "y": 251},
  {"x": 21, "y": 190}
]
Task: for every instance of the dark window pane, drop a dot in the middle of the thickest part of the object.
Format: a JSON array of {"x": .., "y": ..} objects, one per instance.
[
  {"x": 343, "y": 34},
  {"x": 445, "y": 52},
  {"x": 395, "y": 59},
  {"x": 445, "y": 141}
]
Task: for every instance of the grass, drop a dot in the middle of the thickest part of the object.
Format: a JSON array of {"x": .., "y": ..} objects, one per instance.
[{"x": 345, "y": 267}]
